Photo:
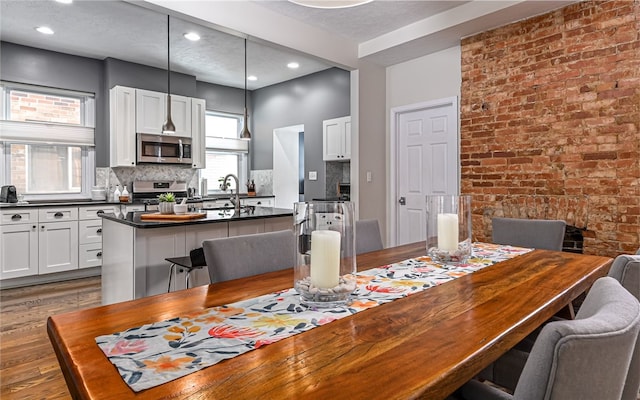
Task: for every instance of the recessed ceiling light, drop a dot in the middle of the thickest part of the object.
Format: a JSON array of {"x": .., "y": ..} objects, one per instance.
[
  {"x": 65, "y": 1},
  {"x": 252, "y": 78},
  {"x": 293, "y": 65},
  {"x": 192, "y": 36},
  {"x": 330, "y": 3},
  {"x": 45, "y": 30}
]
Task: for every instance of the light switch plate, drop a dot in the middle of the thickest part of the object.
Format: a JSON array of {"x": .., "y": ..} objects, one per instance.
[{"x": 313, "y": 175}]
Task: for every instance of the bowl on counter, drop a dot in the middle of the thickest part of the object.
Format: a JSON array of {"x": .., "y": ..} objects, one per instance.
[
  {"x": 98, "y": 193},
  {"x": 180, "y": 209}
]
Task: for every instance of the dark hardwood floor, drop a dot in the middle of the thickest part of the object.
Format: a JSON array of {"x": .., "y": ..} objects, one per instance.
[{"x": 28, "y": 366}]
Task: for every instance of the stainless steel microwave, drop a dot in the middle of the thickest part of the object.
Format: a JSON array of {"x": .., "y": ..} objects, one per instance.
[{"x": 163, "y": 149}]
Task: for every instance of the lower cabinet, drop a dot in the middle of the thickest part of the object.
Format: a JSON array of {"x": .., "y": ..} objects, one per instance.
[
  {"x": 43, "y": 240},
  {"x": 18, "y": 250},
  {"x": 57, "y": 247},
  {"x": 134, "y": 261}
]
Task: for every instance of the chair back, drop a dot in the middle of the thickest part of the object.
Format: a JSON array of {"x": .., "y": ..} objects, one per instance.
[
  {"x": 626, "y": 270},
  {"x": 242, "y": 256},
  {"x": 368, "y": 236},
  {"x": 585, "y": 358},
  {"x": 536, "y": 233}
]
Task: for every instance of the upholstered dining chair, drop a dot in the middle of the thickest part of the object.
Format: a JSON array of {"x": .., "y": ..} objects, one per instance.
[
  {"x": 368, "y": 236},
  {"x": 536, "y": 233},
  {"x": 586, "y": 358},
  {"x": 626, "y": 269},
  {"x": 505, "y": 371},
  {"x": 242, "y": 256}
]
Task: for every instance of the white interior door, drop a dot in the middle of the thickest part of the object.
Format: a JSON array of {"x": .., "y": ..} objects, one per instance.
[
  {"x": 285, "y": 165},
  {"x": 427, "y": 163}
]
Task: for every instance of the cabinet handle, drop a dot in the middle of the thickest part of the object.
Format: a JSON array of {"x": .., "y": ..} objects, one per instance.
[
  {"x": 34, "y": 227},
  {"x": 99, "y": 230},
  {"x": 99, "y": 212},
  {"x": 42, "y": 227},
  {"x": 16, "y": 217},
  {"x": 99, "y": 254},
  {"x": 58, "y": 215}
]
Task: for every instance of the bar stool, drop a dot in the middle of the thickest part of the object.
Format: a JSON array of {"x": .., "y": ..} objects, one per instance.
[{"x": 195, "y": 260}]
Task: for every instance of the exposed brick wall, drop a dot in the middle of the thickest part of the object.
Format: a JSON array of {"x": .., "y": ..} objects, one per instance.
[{"x": 550, "y": 122}]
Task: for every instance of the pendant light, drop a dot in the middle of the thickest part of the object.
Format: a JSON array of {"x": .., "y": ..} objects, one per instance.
[
  {"x": 168, "y": 126},
  {"x": 246, "y": 135}
]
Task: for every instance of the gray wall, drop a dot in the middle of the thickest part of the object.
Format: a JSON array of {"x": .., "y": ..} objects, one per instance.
[
  {"x": 222, "y": 98},
  {"x": 308, "y": 100},
  {"x": 48, "y": 68}
]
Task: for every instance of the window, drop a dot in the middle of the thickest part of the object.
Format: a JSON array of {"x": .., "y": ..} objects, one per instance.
[
  {"x": 226, "y": 153},
  {"x": 47, "y": 141}
]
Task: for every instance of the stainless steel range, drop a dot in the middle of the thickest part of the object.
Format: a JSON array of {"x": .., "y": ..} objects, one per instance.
[{"x": 147, "y": 192}]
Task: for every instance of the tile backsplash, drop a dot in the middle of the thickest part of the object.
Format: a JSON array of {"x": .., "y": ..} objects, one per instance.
[
  {"x": 263, "y": 179},
  {"x": 110, "y": 177}
]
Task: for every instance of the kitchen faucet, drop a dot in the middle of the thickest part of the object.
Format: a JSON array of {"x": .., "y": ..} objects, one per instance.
[{"x": 236, "y": 201}]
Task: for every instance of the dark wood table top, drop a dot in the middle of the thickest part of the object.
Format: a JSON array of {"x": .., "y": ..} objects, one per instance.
[{"x": 422, "y": 346}]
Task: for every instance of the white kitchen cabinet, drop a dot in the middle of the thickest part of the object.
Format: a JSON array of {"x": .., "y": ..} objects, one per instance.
[
  {"x": 122, "y": 120},
  {"x": 198, "y": 133},
  {"x": 57, "y": 239},
  {"x": 259, "y": 201},
  {"x": 18, "y": 243},
  {"x": 181, "y": 115},
  {"x": 336, "y": 139},
  {"x": 151, "y": 112},
  {"x": 57, "y": 246},
  {"x": 278, "y": 224},
  {"x": 90, "y": 235}
]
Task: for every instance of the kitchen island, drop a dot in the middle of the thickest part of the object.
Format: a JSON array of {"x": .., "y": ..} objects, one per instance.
[{"x": 134, "y": 249}]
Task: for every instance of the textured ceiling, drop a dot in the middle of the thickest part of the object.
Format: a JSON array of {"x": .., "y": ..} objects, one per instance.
[
  {"x": 366, "y": 21},
  {"x": 101, "y": 29},
  {"x": 130, "y": 32}
]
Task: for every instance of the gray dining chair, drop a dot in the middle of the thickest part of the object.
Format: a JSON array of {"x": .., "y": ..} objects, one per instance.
[
  {"x": 536, "y": 233},
  {"x": 506, "y": 370},
  {"x": 586, "y": 358},
  {"x": 626, "y": 270},
  {"x": 368, "y": 236},
  {"x": 242, "y": 256}
]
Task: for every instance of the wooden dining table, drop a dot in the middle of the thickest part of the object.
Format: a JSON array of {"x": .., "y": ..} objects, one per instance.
[{"x": 422, "y": 346}]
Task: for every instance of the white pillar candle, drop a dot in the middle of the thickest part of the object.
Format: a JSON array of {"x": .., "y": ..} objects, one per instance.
[
  {"x": 448, "y": 232},
  {"x": 325, "y": 258}
]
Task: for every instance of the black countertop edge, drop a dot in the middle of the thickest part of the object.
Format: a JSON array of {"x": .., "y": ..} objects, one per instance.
[
  {"x": 213, "y": 216},
  {"x": 75, "y": 203}
]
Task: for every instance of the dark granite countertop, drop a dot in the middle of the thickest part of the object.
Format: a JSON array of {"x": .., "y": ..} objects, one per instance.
[
  {"x": 88, "y": 202},
  {"x": 213, "y": 216}
]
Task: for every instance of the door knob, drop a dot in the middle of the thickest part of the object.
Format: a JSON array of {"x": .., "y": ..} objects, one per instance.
[{"x": 402, "y": 201}]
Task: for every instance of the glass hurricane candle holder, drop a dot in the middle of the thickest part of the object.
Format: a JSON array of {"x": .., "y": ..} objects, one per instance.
[
  {"x": 449, "y": 228},
  {"x": 325, "y": 267}
]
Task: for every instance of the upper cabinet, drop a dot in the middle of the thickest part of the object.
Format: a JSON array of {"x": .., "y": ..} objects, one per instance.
[
  {"x": 198, "y": 133},
  {"x": 336, "y": 139},
  {"x": 135, "y": 111},
  {"x": 122, "y": 120},
  {"x": 151, "y": 112}
]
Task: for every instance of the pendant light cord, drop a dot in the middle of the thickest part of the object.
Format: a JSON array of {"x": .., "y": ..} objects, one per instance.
[
  {"x": 245, "y": 74},
  {"x": 168, "y": 55}
]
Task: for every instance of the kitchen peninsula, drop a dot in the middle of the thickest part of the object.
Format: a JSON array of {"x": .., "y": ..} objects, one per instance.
[{"x": 134, "y": 250}]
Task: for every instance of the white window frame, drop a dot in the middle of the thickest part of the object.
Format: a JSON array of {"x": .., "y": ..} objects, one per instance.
[
  {"x": 231, "y": 146},
  {"x": 38, "y": 133}
]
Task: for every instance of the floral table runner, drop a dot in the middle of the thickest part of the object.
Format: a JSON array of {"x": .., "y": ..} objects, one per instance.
[{"x": 157, "y": 353}]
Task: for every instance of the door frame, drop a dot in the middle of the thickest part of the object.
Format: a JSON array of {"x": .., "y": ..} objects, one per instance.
[
  {"x": 394, "y": 120},
  {"x": 290, "y": 134}
]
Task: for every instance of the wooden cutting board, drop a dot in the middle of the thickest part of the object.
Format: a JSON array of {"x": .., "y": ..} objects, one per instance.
[{"x": 172, "y": 217}]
